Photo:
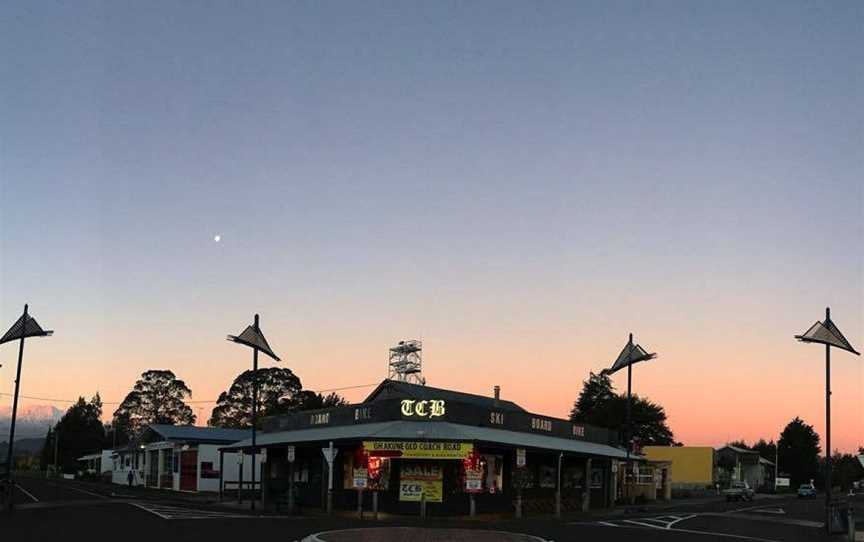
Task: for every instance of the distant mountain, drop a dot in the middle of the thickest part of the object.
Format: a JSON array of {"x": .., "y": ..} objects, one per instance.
[{"x": 33, "y": 421}]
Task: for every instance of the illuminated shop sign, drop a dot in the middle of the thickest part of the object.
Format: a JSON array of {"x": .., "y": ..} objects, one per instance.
[
  {"x": 418, "y": 450},
  {"x": 432, "y": 408}
]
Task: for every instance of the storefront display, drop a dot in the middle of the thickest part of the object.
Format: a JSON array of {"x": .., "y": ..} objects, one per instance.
[{"x": 421, "y": 478}]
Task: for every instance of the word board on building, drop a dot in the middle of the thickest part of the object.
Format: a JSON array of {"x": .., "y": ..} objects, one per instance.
[
  {"x": 418, "y": 449},
  {"x": 419, "y": 479},
  {"x": 361, "y": 478},
  {"x": 782, "y": 482},
  {"x": 473, "y": 481}
]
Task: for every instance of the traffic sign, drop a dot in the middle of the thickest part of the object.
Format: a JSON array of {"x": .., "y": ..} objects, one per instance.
[{"x": 327, "y": 456}]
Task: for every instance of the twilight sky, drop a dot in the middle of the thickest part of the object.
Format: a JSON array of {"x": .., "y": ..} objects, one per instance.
[{"x": 518, "y": 184}]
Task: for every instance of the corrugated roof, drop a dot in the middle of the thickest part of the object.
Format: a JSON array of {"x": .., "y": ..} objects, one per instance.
[
  {"x": 394, "y": 388},
  {"x": 403, "y": 430},
  {"x": 201, "y": 434}
]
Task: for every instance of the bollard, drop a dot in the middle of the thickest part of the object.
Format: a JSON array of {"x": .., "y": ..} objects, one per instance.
[
  {"x": 519, "y": 506},
  {"x": 375, "y": 505},
  {"x": 473, "y": 510},
  {"x": 360, "y": 503},
  {"x": 423, "y": 505}
]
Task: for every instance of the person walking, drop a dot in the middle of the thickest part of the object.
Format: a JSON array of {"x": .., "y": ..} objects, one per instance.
[{"x": 130, "y": 478}]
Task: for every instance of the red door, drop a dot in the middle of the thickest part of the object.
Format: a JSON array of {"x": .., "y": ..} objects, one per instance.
[{"x": 189, "y": 470}]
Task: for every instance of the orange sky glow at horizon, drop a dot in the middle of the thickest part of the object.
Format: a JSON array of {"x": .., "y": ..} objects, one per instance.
[{"x": 704, "y": 406}]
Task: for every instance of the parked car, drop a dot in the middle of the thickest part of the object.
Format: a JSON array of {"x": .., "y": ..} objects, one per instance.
[
  {"x": 739, "y": 491},
  {"x": 806, "y": 491}
]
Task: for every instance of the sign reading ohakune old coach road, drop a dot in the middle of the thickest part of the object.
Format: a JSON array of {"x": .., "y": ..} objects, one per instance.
[{"x": 418, "y": 449}]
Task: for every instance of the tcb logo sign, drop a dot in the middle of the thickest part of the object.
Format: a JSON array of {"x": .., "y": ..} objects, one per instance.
[{"x": 433, "y": 408}]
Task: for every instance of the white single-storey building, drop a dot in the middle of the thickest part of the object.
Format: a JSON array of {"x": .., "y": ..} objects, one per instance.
[
  {"x": 182, "y": 458},
  {"x": 96, "y": 464}
]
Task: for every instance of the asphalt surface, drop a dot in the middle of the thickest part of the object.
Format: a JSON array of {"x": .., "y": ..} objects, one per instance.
[{"x": 64, "y": 510}]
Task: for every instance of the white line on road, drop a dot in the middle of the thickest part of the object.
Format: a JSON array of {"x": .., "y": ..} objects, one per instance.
[
  {"x": 679, "y": 520},
  {"x": 136, "y": 505},
  {"x": 27, "y": 493},
  {"x": 607, "y": 524}
]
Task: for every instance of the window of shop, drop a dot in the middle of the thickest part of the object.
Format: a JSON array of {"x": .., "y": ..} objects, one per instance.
[{"x": 493, "y": 468}]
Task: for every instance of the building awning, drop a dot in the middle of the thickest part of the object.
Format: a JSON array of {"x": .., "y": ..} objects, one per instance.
[{"x": 403, "y": 430}]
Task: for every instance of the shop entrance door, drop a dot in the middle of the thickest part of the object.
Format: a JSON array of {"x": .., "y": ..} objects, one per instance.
[{"x": 189, "y": 470}]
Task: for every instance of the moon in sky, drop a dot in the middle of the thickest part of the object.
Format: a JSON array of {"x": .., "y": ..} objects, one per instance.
[{"x": 217, "y": 238}]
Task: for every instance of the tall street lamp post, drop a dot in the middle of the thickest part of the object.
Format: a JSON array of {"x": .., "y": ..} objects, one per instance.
[
  {"x": 25, "y": 326},
  {"x": 254, "y": 339},
  {"x": 631, "y": 354},
  {"x": 828, "y": 334}
]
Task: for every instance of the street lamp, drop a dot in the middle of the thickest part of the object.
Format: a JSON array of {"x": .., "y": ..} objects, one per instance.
[
  {"x": 631, "y": 354},
  {"x": 254, "y": 339},
  {"x": 827, "y": 333},
  {"x": 25, "y": 326}
]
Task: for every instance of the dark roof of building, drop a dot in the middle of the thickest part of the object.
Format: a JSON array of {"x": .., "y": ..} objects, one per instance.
[
  {"x": 404, "y": 430},
  {"x": 389, "y": 389},
  {"x": 190, "y": 433}
]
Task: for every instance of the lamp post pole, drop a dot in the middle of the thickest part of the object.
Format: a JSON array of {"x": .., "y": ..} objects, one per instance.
[
  {"x": 829, "y": 334},
  {"x": 254, "y": 339},
  {"x": 828, "y": 418},
  {"x": 254, "y": 412},
  {"x": 629, "y": 431},
  {"x": 9, "y": 460}
]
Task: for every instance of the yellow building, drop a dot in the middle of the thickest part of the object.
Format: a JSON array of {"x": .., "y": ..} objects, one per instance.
[{"x": 692, "y": 466}]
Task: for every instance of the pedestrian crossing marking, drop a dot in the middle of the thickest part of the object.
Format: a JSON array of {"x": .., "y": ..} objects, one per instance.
[{"x": 178, "y": 512}]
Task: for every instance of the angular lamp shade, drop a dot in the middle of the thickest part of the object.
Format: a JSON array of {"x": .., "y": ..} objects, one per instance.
[
  {"x": 26, "y": 326},
  {"x": 254, "y": 339},
  {"x": 826, "y": 333},
  {"x": 632, "y": 353}
]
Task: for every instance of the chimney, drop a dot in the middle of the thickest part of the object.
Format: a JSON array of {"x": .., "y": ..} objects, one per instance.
[{"x": 497, "y": 394}]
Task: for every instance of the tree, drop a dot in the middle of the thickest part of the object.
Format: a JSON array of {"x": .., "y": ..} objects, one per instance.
[
  {"x": 78, "y": 432},
  {"x": 599, "y": 405},
  {"x": 738, "y": 444},
  {"x": 276, "y": 388},
  {"x": 766, "y": 449},
  {"x": 157, "y": 398},
  {"x": 845, "y": 469},
  {"x": 310, "y": 400},
  {"x": 798, "y": 450},
  {"x": 597, "y": 392}
]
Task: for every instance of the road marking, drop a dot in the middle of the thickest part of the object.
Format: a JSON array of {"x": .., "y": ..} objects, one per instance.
[
  {"x": 607, "y": 524},
  {"x": 177, "y": 512},
  {"x": 26, "y": 492}
]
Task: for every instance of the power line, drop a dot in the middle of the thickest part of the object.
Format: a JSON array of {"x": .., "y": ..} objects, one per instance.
[{"x": 205, "y": 401}]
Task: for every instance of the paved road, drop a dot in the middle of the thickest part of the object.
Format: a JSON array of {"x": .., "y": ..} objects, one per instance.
[{"x": 75, "y": 511}]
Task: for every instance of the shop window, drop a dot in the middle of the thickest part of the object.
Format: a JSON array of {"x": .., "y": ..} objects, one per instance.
[
  {"x": 491, "y": 465},
  {"x": 301, "y": 471},
  {"x": 207, "y": 470},
  {"x": 547, "y": 476},
  {"x": 573, "y": 477}
]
